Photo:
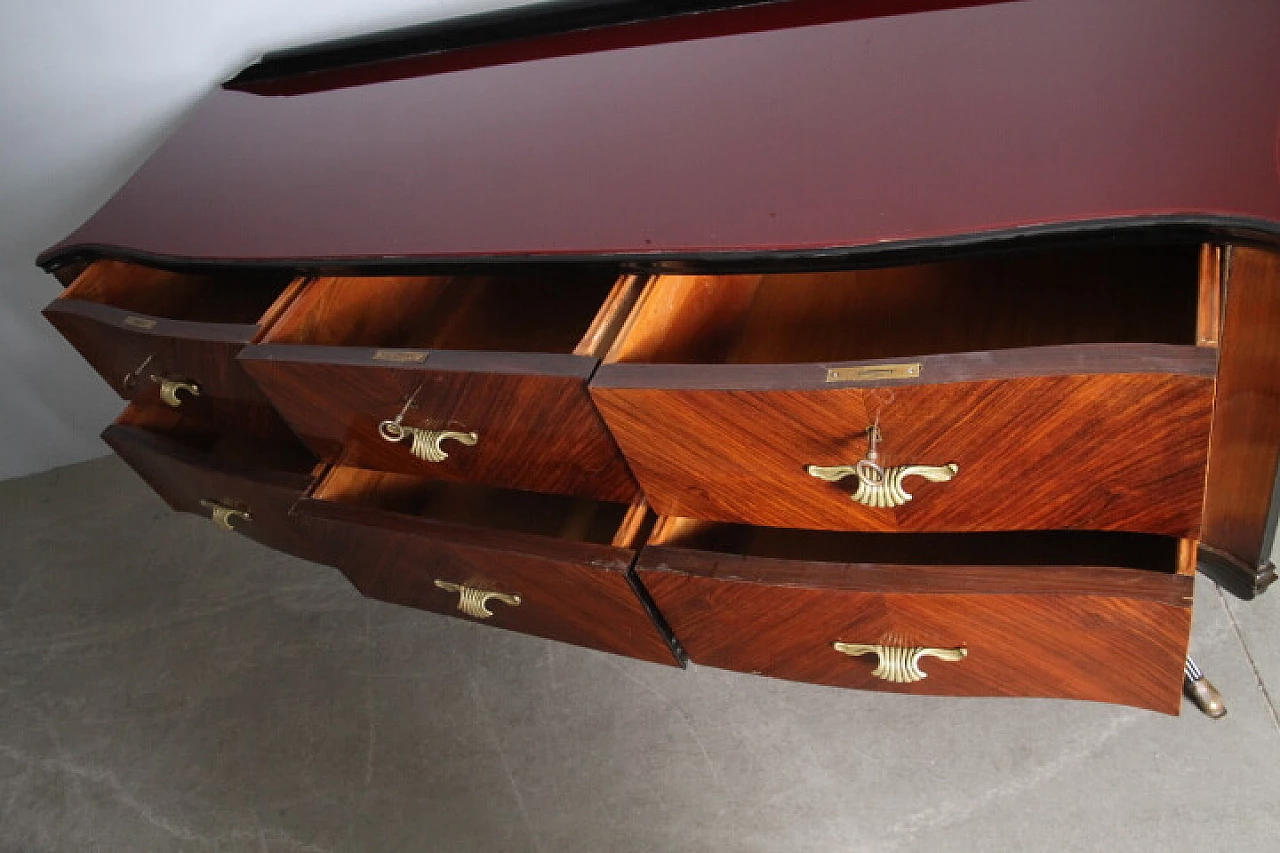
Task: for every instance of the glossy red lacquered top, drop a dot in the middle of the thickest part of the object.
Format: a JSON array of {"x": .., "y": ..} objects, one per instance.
[{"x": 773, "y": 129}]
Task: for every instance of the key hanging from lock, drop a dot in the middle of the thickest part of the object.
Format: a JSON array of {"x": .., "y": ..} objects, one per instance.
[
  {"x": 424, "y": 442},
  {"x": 868, "y": 468}
]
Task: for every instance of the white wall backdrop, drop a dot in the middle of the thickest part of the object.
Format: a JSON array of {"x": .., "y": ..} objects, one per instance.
[{"x": 88, "y": 89}]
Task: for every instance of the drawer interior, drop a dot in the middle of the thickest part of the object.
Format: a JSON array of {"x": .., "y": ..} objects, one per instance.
[
  {"x": 229, "y": 449},
  {"x": 1016, "y": 548},
  {"x": 566, "y": 311},
  {"x": 1111, "y": 294},
  {"x": 222, "y": 297},
  {"x": 569, "y": 518}
]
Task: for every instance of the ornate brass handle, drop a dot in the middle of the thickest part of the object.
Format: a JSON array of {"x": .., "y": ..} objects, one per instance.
[
  {"x": 425, "y": 443},
  {"x": 474, "y": 602},
  {"x": 882, "y": 488},
  {"x": 899, "y": 664},
  {"x": 223, "y": 515},
  {"x": 169, "y": 389}
]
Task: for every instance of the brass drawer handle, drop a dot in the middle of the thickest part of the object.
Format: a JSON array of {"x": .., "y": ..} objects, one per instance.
[
  {"x": 473, "y": 602},
  {"x": 899, "y": 664},
  {"x": 882, "y": 488},
  {"x": 425, "y": 443},
  {"x": 223, "y": 515},
  {"x": 169, "y": 389}
]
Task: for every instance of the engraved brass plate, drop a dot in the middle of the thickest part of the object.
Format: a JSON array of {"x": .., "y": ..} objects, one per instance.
[
  {"x": 140, "y": 322},
  {"x": 400, "y": 356},
  {"x": 874, "y": 372}
]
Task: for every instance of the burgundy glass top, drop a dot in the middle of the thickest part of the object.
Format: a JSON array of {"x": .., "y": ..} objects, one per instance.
[{"x": 804, "y": 132}]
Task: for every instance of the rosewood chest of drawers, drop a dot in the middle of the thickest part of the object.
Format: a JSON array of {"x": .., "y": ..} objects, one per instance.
[{"x": 619, "y": 329}]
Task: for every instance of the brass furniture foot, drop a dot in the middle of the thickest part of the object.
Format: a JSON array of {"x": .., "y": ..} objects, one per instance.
[{"x": 1202, "y": 692}]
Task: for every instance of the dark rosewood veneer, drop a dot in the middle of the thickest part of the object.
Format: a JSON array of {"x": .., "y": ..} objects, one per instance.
[{"x": 781, "y": 337}]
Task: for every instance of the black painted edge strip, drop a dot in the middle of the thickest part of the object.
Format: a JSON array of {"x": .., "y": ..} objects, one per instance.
[
  {"x": 565, "y": 365},
  {"x": 946, "y": 579},
  {"x": 461, "y": 534},
  {"x": 466, "y": 31},
  {"x": 1273, "y": 517},
  {"x": 160, "y": 327},
  {"x": 1063, "y": 360},
  {"x": 660, "y": 623},
  {"x": 1155, "y": 228}
]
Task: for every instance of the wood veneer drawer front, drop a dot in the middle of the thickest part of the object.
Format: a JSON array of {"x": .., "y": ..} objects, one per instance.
[
  {"x": 1099, "y": 633},
  {"x": 547, "y": 566},
  {"x": 530, "y": 416},
  {"x": 497, "y": 366},
  {"x": 1050, "y": 389},
  {"x": 240, "y": 483},
  {"x": 1121, "y": 451},
  {"x": 141, "y": 328}
]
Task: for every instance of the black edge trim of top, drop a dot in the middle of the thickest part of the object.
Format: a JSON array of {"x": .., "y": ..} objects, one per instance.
[
  {"x": 1086, "y": 359},
  {"x": 1136, "y": 229},
  {"x": 530, "y": 21},
  {"x": 659, "y": 621}
]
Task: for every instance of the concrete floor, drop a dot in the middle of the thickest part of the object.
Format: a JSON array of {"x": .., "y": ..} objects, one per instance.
[{"x": 165, "y": 686}]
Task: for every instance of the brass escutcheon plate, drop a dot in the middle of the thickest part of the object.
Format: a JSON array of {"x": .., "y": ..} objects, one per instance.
[
  {"x": 874, "y": 372},
  {"x": 400, "y": 356}
]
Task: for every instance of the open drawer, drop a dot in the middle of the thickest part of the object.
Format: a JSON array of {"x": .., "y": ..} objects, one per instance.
[
  {"x": 1055, "y": 389},
  {"x": 549, "y": 565},
  {"x": 1098, "y": 616},
  {"x": 477, "y": 378},
  {"x": 162, "y": 337},
  {"x": 242, "y": 483}
]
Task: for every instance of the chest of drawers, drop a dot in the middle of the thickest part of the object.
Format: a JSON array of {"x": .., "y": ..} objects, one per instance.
[{"x": 777, "y": 435}]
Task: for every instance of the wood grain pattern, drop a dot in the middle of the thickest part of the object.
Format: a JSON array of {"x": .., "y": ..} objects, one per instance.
[
  {"x": 1107, "y": 452},
  {"x": 198, "y": 352},
  {"x": 282, "y": 303},
  {"x": 538, "y": 429},
  {"x": 121, "y": 317},
  {"x": 418, "y": 503},
  {"x": 612, "y": 316},
  {"x": 1245, "y": 445},
  {"x": 1047, "y": 297},
  {"x": 1044, "y": 562},
  {"x": 571, "y": 589},
  {"x": 186, "y": 463},
  {"x": 1070, "y": 360},
  {"x": 1032, "y": 631},
  {"x": 215, "y": 295},
  {"x": 516, "y": 311},
  {"x": 1209, "y": 309},
  {"x": 505, "y": 356}
]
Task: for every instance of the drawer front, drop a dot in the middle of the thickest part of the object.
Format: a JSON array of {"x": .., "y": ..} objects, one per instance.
[
  {"x": 252, "y": 503},
  {"x": 1104, "y": 451},
  {"x": 572, "y": 592},
  {"x": 128, "y": 350},
  {"x": 1111, "y": 647},
  {"x": 530, "y": 417}
]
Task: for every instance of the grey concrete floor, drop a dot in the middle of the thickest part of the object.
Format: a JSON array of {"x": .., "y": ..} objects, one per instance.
[{"x": 165, "y": 686}]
